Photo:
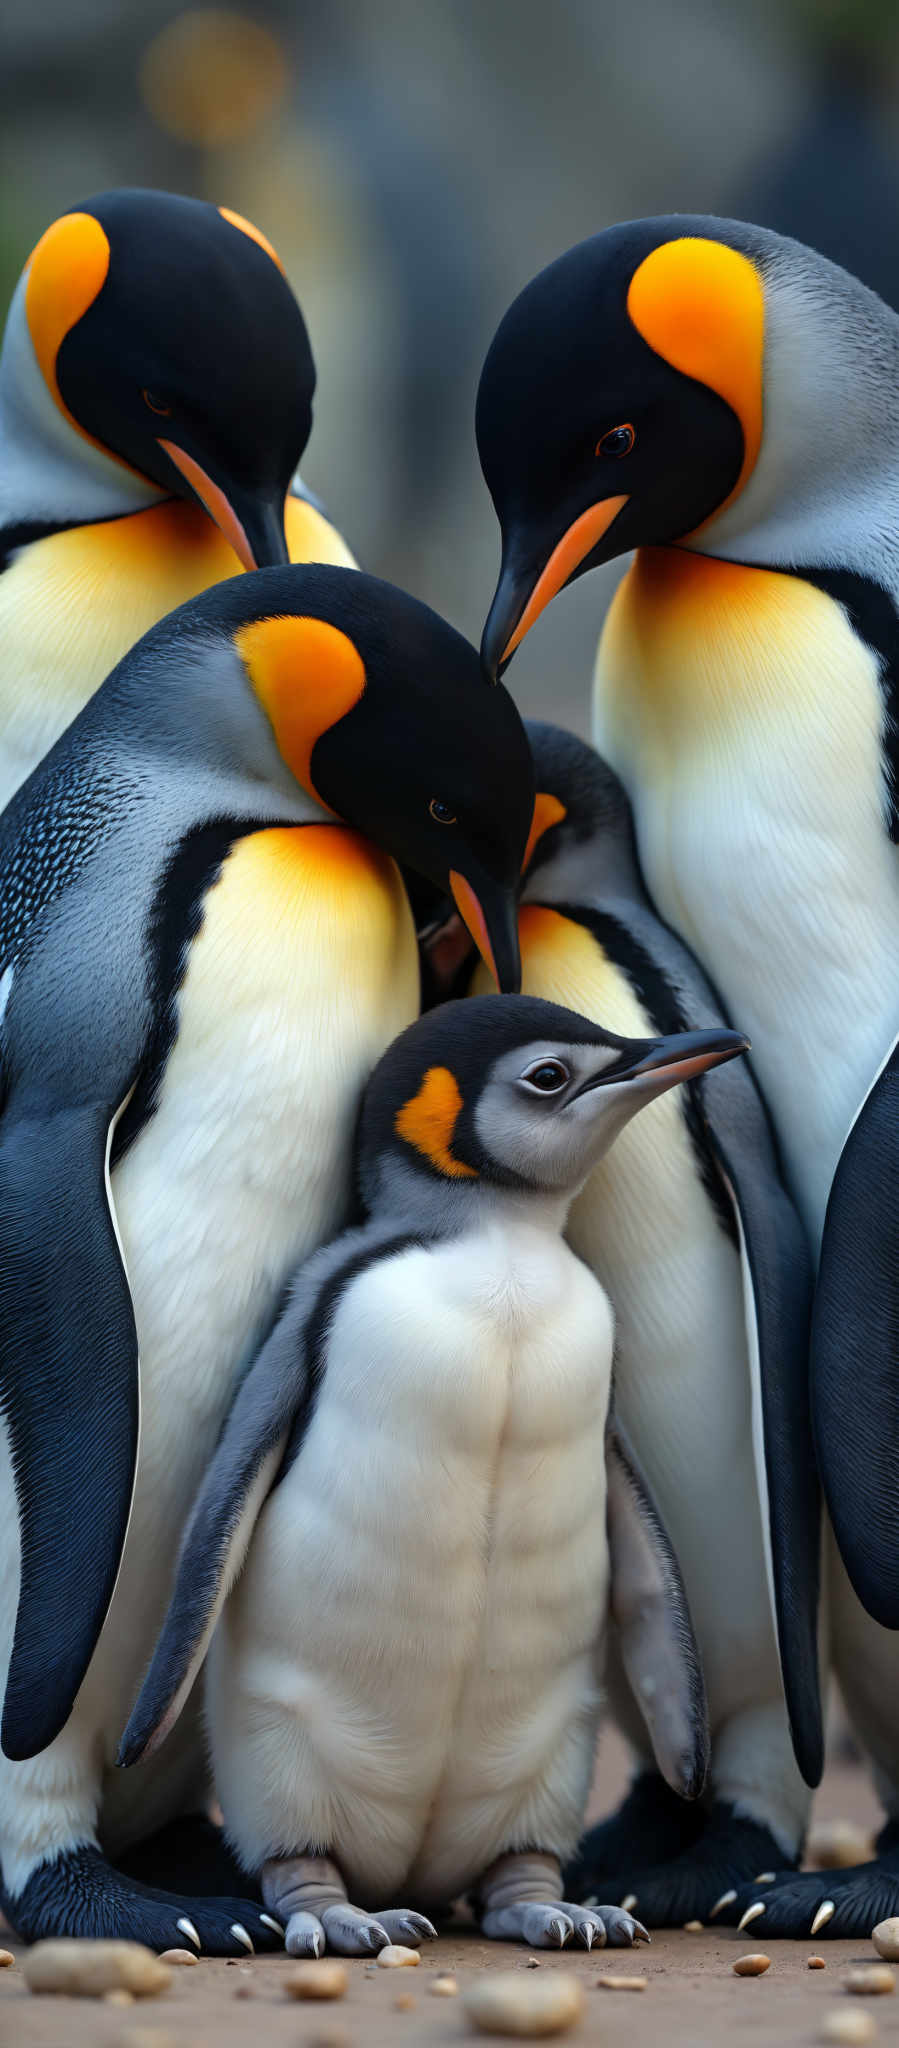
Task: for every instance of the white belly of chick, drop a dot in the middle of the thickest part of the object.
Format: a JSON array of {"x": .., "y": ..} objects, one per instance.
[
  {"x": 304, "y": 970},
  {"x": 746, "y": 719},
  {"x": 405, "y": 1675}
]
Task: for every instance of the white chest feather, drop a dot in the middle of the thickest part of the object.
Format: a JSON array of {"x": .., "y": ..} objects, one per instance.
[
  {"x": 746, "y": 719},
  {"x": 406, "y": 1672}
]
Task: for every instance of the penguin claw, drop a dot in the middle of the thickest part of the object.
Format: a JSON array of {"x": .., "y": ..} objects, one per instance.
[
  {"x": 187, "y": 1928},
  {"x": 825, "y": 1912},
  {"x": 726, "y": 1899},
  {"x": 752, "y": 1913},
  {"x": 628, "y": 1902},
  {"x": 268, "y": 1920},
  {"x": 240, "y": 1934}
]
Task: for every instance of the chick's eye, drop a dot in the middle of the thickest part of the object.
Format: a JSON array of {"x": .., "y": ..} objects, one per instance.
[
  {"x": 441, "y": 811},
  {"x": 155, "y": 403},
  {"x": 618, "y": 441},
  {"x": 548, "y": 1076}
]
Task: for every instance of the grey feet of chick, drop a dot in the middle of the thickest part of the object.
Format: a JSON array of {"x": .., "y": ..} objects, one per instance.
[
  {"x": 344, "y": 1930},
  {"x": 554, "y": 1923}
]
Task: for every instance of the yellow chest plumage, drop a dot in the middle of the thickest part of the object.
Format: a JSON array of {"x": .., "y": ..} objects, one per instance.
[{"x": 72, "y": 605}]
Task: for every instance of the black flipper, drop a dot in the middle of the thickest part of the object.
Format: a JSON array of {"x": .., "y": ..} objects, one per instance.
[
  {"x": 649, "y": 1605},
  {"x": 70, "y": 1398},
  {"x": 855, "y": 1350},
  {"x": 778, "y": 1270}
]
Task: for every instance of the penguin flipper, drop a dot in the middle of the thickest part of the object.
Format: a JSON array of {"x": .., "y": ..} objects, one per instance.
[
  {"x": 855, "y": 1350},
  {"x": 777, "y": 1291},
  {"x": 649, "y": 1606},
  {"x": 70, "y": 1400}
]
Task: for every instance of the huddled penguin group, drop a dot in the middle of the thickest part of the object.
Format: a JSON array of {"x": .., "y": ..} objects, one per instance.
[{"x": 384, "y": 1387}]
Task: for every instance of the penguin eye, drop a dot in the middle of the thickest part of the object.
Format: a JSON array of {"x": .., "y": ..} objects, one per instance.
[
  {"x": 441, "y": 811},
  {"x": 156, "y": 404},
  {"x": 618, "y": 441},
  {"x": 547, "y": 1076}
]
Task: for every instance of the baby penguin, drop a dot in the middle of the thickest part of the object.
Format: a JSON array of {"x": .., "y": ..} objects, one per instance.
[{"x": 404, "y": 1689}]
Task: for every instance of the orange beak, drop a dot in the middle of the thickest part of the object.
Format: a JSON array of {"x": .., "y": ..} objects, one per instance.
[
  {"x": 264, "y": 545},
  {"x": 581, "y": 538}
]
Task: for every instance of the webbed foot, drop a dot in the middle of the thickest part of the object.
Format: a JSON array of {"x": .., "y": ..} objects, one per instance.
[
  {"x": 552, "y": 1923},
  {"x": 698, "y": 1884},
  {"x": 79, "y": 1893},
  {"x": 824, "y": 1904},
  {"x": 650, "y": 1827},
  {"x": 346, "y": 1930}
]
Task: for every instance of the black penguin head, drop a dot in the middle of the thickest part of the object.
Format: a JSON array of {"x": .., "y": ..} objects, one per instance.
[
  {"x": 620, "y": 405},
  {"x": 580, "y": 802},
  {"x": 515, "y": 1092},
  {"x": 381, "y": 711},
  {"x": 166, "y": 331}
]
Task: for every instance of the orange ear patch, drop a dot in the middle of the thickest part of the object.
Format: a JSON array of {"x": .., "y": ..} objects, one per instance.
[
  {"x": 548, "y": 811},
  {"x": 428, "y": 1121},
  {"x": 307, "y": 675},
  {"x": 256, "y": 235},
  {"x": 65, "y": 273},
  {"x": 701, "y": 306}
]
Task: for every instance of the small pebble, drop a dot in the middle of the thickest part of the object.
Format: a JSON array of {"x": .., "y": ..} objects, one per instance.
[
  {"x": 179, "y": 1955},
  {"x": 443, "y": 1987},
  {"x": 405, "y": 2002},
  {"x": 394, "y": 1957},
  {"x": 885, "y": 1938},
  {"x": 752, "y": 1966},
  {"x": 85, "y": 1969},
  {"x": 870, "y": 1980},
  {"x": 692, "y": 1926},
  {"x": 622, "y": 1983},
  {"x": 509, "y": 2003},
  {"x": 848, "y": 2027},
  {"x": 243, "y": 1990},
  {"x": 817, "y": 1963},
  {"x": 148, "y": 2037},
  {"x": 316, "y": 1980},
  {"x": 328, "y": 2037},
  {"x": 531, "y": 1963},
  {"x": 837, "y": 1844},
  {"x": 118, "y": 1997},
  {"x": 6, "y": 1958}
]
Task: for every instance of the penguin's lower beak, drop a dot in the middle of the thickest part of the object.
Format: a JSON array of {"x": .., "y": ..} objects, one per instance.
[
  {"x": 664, "y": 1061},
  {"x": 252, "y": 523},
  {"x": 524, "y": 591},
  {"x": 491, "y": 915}
]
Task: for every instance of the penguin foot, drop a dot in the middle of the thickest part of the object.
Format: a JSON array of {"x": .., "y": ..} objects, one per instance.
[
  {"x": 651, "y": 1826},
  {"x": 698, "y": 1884},
  {"x": 552, "y": 1923},
  {"x": 346, "y": 1931},
  {"x": 79, "y": 1893},
  {"x": 188, "y": 1855},
  {"x": 826, "y": 1904}
]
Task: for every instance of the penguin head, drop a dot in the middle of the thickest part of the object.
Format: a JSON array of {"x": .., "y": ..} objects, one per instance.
[
  {"x": 381, "y": 711},
  {"x": 620, "y": 405},
  {"x": 515, "y": 1093},
  {"x": 581, "y": 810},
  {"x": 167, "y": 336}
]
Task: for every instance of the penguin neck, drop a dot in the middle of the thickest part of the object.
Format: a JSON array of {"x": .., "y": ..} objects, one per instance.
[
  {"x": 50, "y": 475},
  {"x": 824, "y": 492},
  {"x": 588, "y": 868},
  {"x": 433, "y": 1207}
]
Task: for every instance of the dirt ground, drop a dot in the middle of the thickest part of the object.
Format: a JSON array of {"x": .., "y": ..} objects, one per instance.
[{"x": 692, "y": 2000}]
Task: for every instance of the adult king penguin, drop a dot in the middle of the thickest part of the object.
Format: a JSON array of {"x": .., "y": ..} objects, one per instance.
[
  {"x": 404, "y": 1690},
  {"x": 156, "y": 387},
  {"x": 205, "y": 945},
  {"x": 687, "y": 1226},
  {"x": 723, "y": 400}
]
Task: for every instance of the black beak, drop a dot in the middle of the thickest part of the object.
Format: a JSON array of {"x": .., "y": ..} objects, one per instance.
[
  {"x": 491, "y": 913},
  {"x": 262, "y": 520},
  {"x": 512, "y": 593},
  {"x": 663, "y": 1061}
]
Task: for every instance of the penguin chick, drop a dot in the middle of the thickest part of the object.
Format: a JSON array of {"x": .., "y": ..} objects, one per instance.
[
  {"x": 706, "y": 1340},
  {"x": 403, "y": 1693},
  {"x": 205, "y": 947},
  {"x": 156, "y": 386}
]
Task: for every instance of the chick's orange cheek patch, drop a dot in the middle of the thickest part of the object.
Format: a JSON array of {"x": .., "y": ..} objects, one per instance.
[{"x": 428, "y": 1122}]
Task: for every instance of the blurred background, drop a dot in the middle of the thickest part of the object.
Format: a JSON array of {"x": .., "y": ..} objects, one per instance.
[{"x": 415, "y": 162}]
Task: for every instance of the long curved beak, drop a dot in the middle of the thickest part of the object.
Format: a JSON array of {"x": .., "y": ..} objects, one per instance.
[
  {"x": 252, "y": 524},
  {"x": 523, "y": 593},
  {"x": 667, "y": 1060},
  {"x": 491, "y": 914}
]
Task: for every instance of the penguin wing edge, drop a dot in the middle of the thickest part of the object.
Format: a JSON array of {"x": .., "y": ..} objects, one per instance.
[
  {"x": 70, "y": 1400},
  {"x": 777, "y": 1287},
  {"x": 855, "y": 1350},
  {"x": 649, "y": 1605}
]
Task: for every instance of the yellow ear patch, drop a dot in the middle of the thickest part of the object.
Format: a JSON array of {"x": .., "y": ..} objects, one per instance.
[
  {"x": 307, "y": 675},
  {"x": 65, "y": 273},
  {"x": 428, "y": 1121},
  {"x": 256, "y": 235},
  {"x": 548, "y": 811},
  {"x": 701, "y": 306}
]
